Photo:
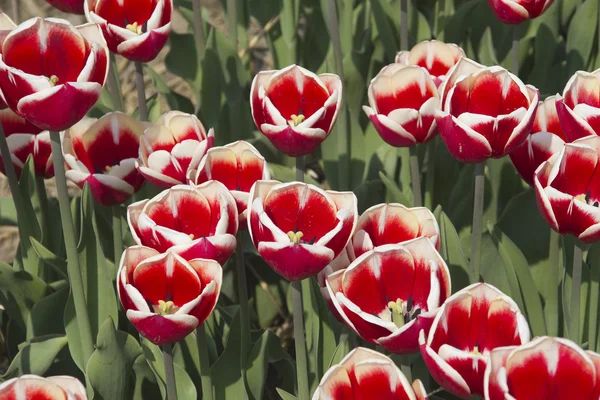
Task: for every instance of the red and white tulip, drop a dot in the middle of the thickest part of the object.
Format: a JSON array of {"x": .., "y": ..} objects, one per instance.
[
  {"x": 39, "y": 388},
  {"x": 294, "y": 108},
  {"x": 403, "y": 100},
  {"x": 173, "y": 146},
  {"x": 567, "y": 188},
  {"x": 436, "y": 57},
  {"x": 137, "y": 30},
  {"x": 390, "y": 294},
  {"x": 52, "y": 73},
  {"x": 6, "y": 26},
  {"x": 517, "y": 11},
  {"x": 102, "y": 153},
  {"x": 297, "y": 228},
  {"x": 579, "y": 106},
  {"x": 68, "y": 6},
  {"x": 367, "y": 374},
  {"x": 546, "y": 368},
  {"x": 165, "y": 296},
  {"x": 470, "y": 324},
  {"x": 238, "y": 166},
  {"x": 191, "y": 221}
]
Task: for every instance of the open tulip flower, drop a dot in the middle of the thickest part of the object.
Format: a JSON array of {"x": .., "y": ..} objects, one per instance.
[
  {"x": 171, "y": 147},
  {"x": 579, "y": 106},
  {"x": 38, "y": 388},
  {"x": 298, "y": 228},
  {"x": 547, "y": 138},
  {"x": 6, "y": 26},
  {"x": 165, "y": 296},
  {"x": 470, "y": 324},
  {"x": 435, "y": 56},
  {"x": 567, "y": 189},
  {"x": 486, "y": 114},
  {"x": 137, "y": 30},
  {"x": 102, "y": 153},
  {"x": 68, "y": 6},
  {"x": 52, "y": 73},
  {"x": 194, "y": 222},
  {"x": 25, "y": 139},
  {"x": 517, "y": 11},
  {"x": 388, "y": 295},
  {"x": 403, "y": 100},
  {"x": 367, "y": 374},
  {"x": 294, "y": 108},
  {"x": 238, "y": 166},
  {"x": 545, "y": 368}
]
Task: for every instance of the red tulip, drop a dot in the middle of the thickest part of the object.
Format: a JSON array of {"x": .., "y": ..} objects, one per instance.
[
  {"x": 367, "y": 374},
  {"x": 165, "y": 296},
  {"x": 35, "y": 387},
  {"x": 487, "y": 113},
  {"x": 517, "y": 11},
  {"x": 470, "y": 324},
  {"x": 546, "y": 368},
  {"x": 194, "y": 222},
  {"x": 24, "y": 140},
  {"x": 68, "y": 6},
  {"x": 298, "y": 228},
  {"x": 546, "y": 139},
  {"x": 390, "y": 294},
  {"x": 6, "y": 26},
  {"x": 52, "y": 73},
  {"x": 173, "y": 146},
  {"x": 403, "y": 100},
  {"x": 566, "y": 188},
  {"x": 137, "y": 30},
  {"x": 238, "y": 166},
  {"x": 435, "y": 56},
  {"x": 294, "y": 108},
  {"x": 579, "y": 106},
  {"x": 102, "y": 153}
]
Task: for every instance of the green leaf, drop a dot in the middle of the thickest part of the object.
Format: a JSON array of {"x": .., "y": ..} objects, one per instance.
[
  {"x": 226, "y": 374},
  {"x": 36, "y": 356},
  {"x": 30, "y": 225},
  {"x": 393, "y": 193},
  {"x": 146, "y": 387},
  {"x": 593, "y": 259},
  {"x": 286, "y": 174},
  {"x": 451, "y": 251},
  {"x": 49, "y": 257},
  {"x": 579, "y": 45},
  {"x": 8, "y": 213},
  {"x": 384, "y": 27},
  {"x": 487, "y": 55},
  {"x": 285, "y": 395},
  {"x": 174, "y": 99},
  {"x": 370, "y": 193},
  {"x": 45, "y": 316}
]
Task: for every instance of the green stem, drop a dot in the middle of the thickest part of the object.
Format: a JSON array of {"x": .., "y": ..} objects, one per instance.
[
  {"x": 515, "y": 50},
  {"x": 300, "y": 341},
  {"x": 141, "y": 91},
  {"x": 243, "y": 299},
  {"x": 117, "y": 233},
  {"x": 169, "y": 372},
  {"x": 415, "y": 176},
  {"x": 576, "y": 294},
  {"x": 114, "y": 87},
  {"x": 300, "y": 167},
  {"x": 199, "y": 37},
  {"x": 73, "y": 267},
  {"x": 403, "y": 24},
  {"x": 288, "y": 28},
  {"x": 477, "y": 221},
  {"x": 430, "y": 175},
  {"x": 593, "y": 313},
  {"x": 553, "y": 278},
  {"x": 205, "y": 377},
  {"x": 232, "y": 23}
]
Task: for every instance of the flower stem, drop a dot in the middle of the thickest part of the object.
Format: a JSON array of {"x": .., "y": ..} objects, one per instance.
[
  {"x": 117, "y": 233},
  {"x": 430, "y": 175},
  {"x": 114, "y": 87},
  {"x": 300, "y": 167},
  {"x": 199, "y": 37},
  {"x": 553, "y": 282},
  {"x": 73, "y": 267},
  {"x": 169, "y": 372},
  {"x": 141, "y": 91},
  {"x": 576, "y": 293},
  {"x": 415, "y": 176},
  {"x": 403, "y": 24},
  {"x": 243, "y": 299},
  {"x": 300, "y": 341},
  {"x": 477, "y": 221},
  {"x": 515, "y": 50},
  {"x": 207, "y": 387}
]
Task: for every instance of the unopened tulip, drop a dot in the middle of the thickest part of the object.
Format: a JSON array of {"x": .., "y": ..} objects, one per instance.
[
  {"x": 294, "y": 108},
  {"x": 579, "y": 106},
  {"x": 102, "y": 153},
  {"x": 68, "y": 6},
  {"x": 517, "y": 11},
  {"x": 33, "y": 387},
  {"x": 435, "y": 56},
  {"x": 52, "y": 73}
]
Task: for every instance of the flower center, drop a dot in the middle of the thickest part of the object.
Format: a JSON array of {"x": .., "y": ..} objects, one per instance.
[
  {"x": 476, "y": 351},
  {"x": 135, "y": 28},
  {"x": 585, "y": 198},
  {"x": 191, "y": 235},
  {"x": 295, "y": 237},
  {"x": 402, "y": 312},
  {"x": 53, "y": 80},
  {"x": 296, "y": 120},
  {"x": 165, "y": 307}
]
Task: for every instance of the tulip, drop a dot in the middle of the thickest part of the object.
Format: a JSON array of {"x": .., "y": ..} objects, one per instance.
[
  {"x": 390, "y": 294},
  {"x": 25, "y": 139},
  {"x": 545, "y": 368},
  {"x": 137, "y": 30},
  {"x": 39, "y": 388},
  {"x": 171, "y": 147},
  {"x": 486, "y": 113},
  {"x": 517, "y": 11},
  {"x": 298, "y": 228},
  {"x": 470, "y": 324},
  {"x": 367, "y": 374},
  {"x": 165, "y": 296},
  {"x": 403, "y": 100},
  {"x": 238, "y": 166},
  {"x": 193, "y": 222},
  {"x": 52, "y": 73},
  {"x": 102, "y": 153},
  {"x": 68, "y": 6},
  {"x": 294, "y": 108},
  {"x": 579, "y": 106},
  {"x": 566, "y": 188},
  {"x": 6, "y": 26},
  {"x": 546, "y": 139},
  {"x": 435, "y": 56}
]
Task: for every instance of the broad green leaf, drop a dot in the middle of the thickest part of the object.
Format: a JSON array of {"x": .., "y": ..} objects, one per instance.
[
  {"x": 226, "y": 374},
  {"x": 49, "y": 257},
  {"x": 285, "y": 395},
  {"x": 452, "y": 252},
  {"x": 579, "y": 45},
  {"x": 393, "y": 192},
  {"x": 145, "y": 387},
  {"x": 384, "y": 27},
  {"x": 593, "y": 261},
  {"x": 45, "y": 316},
  {"x": 8, "y": 214},
  {"x": 176, "y": 101},
  {"x": 370, "y": 193},
  {"x": 286, "y": 174},
  {"x": 36, "y": 356},
  {"x": 29, "y": 226},
  {"x": 185, "y": 353},
  {"x": 487, "y": 54}
]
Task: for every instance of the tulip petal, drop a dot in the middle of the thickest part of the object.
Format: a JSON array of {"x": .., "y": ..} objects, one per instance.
[
  {"x": 160, "y": 329},
  {"x": 463, "y": 143},
  {"x": 295, "y": 262}
]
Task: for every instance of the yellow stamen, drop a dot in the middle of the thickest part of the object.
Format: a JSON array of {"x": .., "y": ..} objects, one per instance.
[
  {"x": 397, "y": 313},
  {"x": 581, "y": 197},
  {"x": 295, "y": 237},
  {"x": 53, "y": 80},
  {"x": 191, "y": 235},
  {"x": 134, "y": 28},
  {"x": 296, "y": 120},
  {"x": 108, "y": 168},
  {"x": 476, "y": 351},
  {"x": 165, "y": 307}
]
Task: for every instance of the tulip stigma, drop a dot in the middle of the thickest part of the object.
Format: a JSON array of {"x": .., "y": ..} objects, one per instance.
[
  {"x": 53, "y": 80},
  {"x": 397, "y": 312},
  {"x": 296, "y": 120},
  {"x": 134, "y": 28},
  {"x": 295, "y": 237},
  {"x": 165, "y": 307}
]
